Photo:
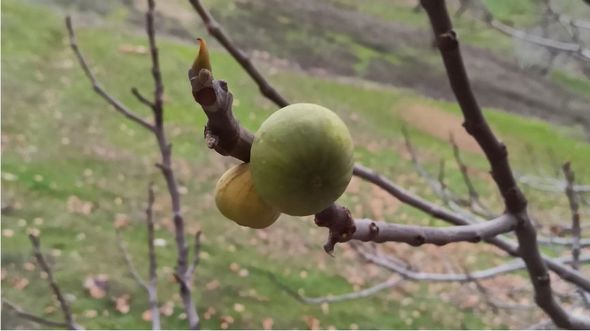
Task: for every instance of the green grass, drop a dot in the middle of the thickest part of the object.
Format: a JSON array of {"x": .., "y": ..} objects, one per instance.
[
  {"x": 574, "y": 84},
  {"x": 61, "y": 142}
]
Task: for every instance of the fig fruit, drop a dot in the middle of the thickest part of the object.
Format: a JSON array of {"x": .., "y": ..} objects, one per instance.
[
  {"x": 301, "y": 159},
  {"x": 237, "y": 199}
]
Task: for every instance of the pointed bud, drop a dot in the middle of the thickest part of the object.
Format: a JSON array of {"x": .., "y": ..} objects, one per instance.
[{"x": 202, "y": 60}]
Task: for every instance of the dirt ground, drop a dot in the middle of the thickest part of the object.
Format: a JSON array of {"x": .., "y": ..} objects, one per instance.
[{"x": 440, "y": 124}]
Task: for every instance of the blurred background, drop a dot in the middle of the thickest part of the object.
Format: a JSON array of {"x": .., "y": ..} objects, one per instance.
[{"x": 73, "y": 169}]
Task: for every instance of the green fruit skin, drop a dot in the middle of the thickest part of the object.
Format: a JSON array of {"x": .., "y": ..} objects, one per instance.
[
  {"x": 301, "y": 159},
  {"x": 237, "y": 199}
]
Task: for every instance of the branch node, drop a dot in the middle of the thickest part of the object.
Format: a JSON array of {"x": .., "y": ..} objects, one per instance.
[
  {"x": 418, "y": 240},
  {"x": 373, "y": 230},
  {"x": 447, "y": 41}
]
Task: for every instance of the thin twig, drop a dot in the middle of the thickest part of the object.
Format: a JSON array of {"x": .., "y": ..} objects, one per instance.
[
  {"x": 388, "y": 284},
  {"x": 64, "y": 305},
  {"x": 196, "y": 254},
  {"x": 574, "y": 207},
  {"x": 152, "y": 289},
  {"x": 473, "y": 195},
  {"x": 31, "y": 317},
  {"x": 573, "y": 48},
  {"x": 142, "y": 98},
  {"x": 576, "y": 229},
  {"x": 97, "y": 86},
  {"x": 408, "y": 273},
  {"x": 129, "y": 262},
  {"x": 216, "y": 31}
]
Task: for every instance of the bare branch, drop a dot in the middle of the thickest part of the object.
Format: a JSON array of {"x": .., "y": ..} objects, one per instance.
[
  {"x": 450, "y": 198},
  {"x": 65, "y": 306},
  {"x": 574, "y": 207},
  {"x": 97, "y": 86},
  {"x": 216, "y": 31},
  {"x": 497, "y": 155},
  {"x": 31, "y": 317},
  {"x": 576, "y": 229},
  {"x": 455, "y": 219},
  {"x": 196, "y": 254},
  {"x": 574, "y": 48},
  {"x": 410, "y": 274},
  {"x": 129, "y": 262},
  {"x": 165, "y": 165},
  {"x": 473, "y": 195},
  {"x": 551, "y": 184},
  {"x": 142, "y": 98},
  {"x": 388, "y": 284},
  {"x": 368, "y": 230},
  {"x": 152, "y": 289},
  {"x": 166, "y": 169}
]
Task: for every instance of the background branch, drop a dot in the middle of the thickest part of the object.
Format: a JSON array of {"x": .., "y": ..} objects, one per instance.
[
  {"x": 63, "y": 303},
  {"x": 31, "y": 317},
  {"x": 165, "y": 164}
]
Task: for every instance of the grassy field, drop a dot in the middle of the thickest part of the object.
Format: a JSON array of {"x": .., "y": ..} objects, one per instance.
[{"x": 71, "y": 166}]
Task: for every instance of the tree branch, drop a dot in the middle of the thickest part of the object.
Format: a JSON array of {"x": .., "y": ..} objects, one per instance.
[
  {"x": 216, "y": 31},
  {"x": 65, "y": 306},
  {"x": 473, "y": 195},
  {"x": 574, "y": 48},
  {"x": 165, "y": 148},
  {"x": 196, "y": 254},
  {"x": 379, "y": 232},
  {"x": 153, "y": 284},
  {"x": 129, "y": 262},
  {"x": 142, "y": 98},
  {"x": 31, "y": 317},
  {"x": 455, "y": 219},
  {"x": 388, "y": 284},
  {"x": 497, "y": 155},
  {"x": 166, "y": 169},
  {"x": 97, "y": 86},
  {"x": 406, "y": 272},
  {"x": 576, "y": 229}
]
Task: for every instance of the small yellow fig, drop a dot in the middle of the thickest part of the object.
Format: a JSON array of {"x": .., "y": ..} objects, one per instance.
[
  {"x": 237, "y": 199},
  {"x": 202, "y": 59}
]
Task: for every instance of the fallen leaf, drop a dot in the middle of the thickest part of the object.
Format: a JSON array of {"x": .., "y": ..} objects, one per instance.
[
  {"x": 20, "y": 283},
  {"x": 121, "y": 221},
  {"x": 167, "y": 309},
  {"x": 133, "y": 49},
  {"x": 267, "y": 323},
  {"x": 238, "y": 307},
  {"x": 234, "y": 267},
  {"x": 312, "y": 323},
  {"x": 97, "y": 286},
  {"x": 77, "y": 206},
  {"x": 212, "y": 285},
  {"x": 147, "y": 315},
  {"x": 122, "y": 303},
  {"x": 90, "y": 313},
  {"x": 209, "y": 313}
]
